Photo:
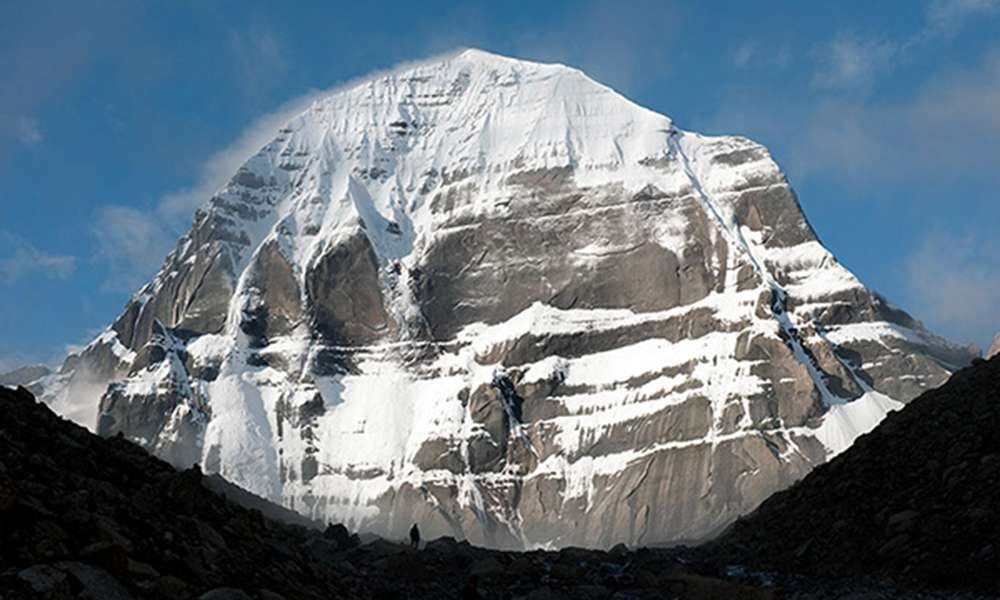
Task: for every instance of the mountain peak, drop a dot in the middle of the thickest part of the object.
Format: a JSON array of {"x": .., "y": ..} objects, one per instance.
[{"x": 491, "y": 295}]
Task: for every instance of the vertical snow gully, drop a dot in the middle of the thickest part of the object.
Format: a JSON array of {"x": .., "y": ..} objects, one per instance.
[
  {"x": 734, "y": 237},
  {"x": 512, "y": 404}
]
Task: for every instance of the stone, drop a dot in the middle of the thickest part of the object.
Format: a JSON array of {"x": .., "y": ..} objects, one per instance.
[
  {"x": 903, "y": 520},
  {"x": 486, "y": 567},
  {"x": 108, "y": 555},
  {"x": 8, "y": 493},
  {"x": 225, "y": 594},
  {"x": 46, "y": 580},
  {"x": 95, "y": 583}
]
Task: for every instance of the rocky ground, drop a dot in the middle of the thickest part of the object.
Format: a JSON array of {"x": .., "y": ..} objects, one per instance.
[
  {"x": 917, "y": 501},
  {"x": 913, "y": 503}
]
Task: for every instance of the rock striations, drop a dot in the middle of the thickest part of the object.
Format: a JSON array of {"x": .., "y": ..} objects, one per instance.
[{"x": 499, "y": 299}]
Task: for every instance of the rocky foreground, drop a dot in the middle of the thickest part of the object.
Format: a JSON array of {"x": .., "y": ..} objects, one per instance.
[
  {"x": 916, "y": 501},
  {"x": 912, "y": 504}
]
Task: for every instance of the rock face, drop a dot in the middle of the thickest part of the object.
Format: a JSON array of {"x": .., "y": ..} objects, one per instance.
[
  {"x": 497, "y": 298},
  {"x": 915, "y": 500}
]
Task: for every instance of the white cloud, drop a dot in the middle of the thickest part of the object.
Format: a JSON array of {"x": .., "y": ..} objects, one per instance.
[
  {"x": 25, "y": 259},
  {"x": 26, "y": 130},
  {"x": 948, "y": 128},
  {"x": 946, "y": 17},
  {"x": 621, "y": 44},
  {"x": 259, "y": 59},
  {"x": 954, "y": 283},
  {"x": 134, "y": 242},
  {"x": 180, "y": 204},
  {"x": 853, "y": 62},
  {"x": 850, "y": 61},
  {"x": 750, "y": 54},
  {"x": 744, "y": 54}
]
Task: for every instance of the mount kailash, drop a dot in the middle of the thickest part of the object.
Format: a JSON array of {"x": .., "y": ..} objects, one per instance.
[{"x": 499, "y": 299}]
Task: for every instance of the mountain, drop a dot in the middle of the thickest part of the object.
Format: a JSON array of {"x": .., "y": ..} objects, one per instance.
[
  {"x": 499, "y": 299},
  {"x": 24, "y": 375},
  {"x": 915, "y": 500}
]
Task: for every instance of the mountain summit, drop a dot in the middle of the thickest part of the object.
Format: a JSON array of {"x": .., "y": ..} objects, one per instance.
[{"x": 499, "y": 299}]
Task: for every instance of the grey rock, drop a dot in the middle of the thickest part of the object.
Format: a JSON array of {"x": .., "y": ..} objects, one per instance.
[
  {"x": 45, "y": 579},
  {"x": 96, "y": 583},
  {"x": 225, "y": 594}
]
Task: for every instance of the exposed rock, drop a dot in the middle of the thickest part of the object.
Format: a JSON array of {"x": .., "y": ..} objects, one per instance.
[{"x": 225, "y": 594}]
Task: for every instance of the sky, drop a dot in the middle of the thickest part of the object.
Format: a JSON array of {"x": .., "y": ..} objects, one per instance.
[{"x": 118, "y": 119}]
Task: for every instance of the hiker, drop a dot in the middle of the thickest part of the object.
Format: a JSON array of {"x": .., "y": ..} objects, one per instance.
[{"x": 415, "y": 536}]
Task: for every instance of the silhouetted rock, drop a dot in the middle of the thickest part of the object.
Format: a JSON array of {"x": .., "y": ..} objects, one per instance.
[{"x": 916, "y": 501}]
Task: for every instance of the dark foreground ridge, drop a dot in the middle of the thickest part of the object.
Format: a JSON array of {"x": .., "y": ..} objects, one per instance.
[{"x": 916, "y": 501}]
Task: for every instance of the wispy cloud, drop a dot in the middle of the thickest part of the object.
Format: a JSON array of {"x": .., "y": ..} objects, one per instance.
[
  {"x": 949, "y": 127},
  {"x": 52, "y": 45},
  {"x": 621, "y": 44},
  {"x": 132, "y": 243},
  {"x": 26, "y": 130},
  {"x": 946, "y": 17},
  {"x": 853, "y": 62},
  {"x": 25, "y": 259},
  {"x": 850, "y": 61},
  {"x": 751, "y": 54},
  {"x": 259, "y": 60},
  {"x": 954, "y": 283}
]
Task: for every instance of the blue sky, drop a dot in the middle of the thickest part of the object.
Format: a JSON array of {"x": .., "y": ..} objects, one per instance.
[{"x": 117, "y": 119}]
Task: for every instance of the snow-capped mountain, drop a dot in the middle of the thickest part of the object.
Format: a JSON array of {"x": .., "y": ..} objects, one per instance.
[{"x": 499, "y": 299}]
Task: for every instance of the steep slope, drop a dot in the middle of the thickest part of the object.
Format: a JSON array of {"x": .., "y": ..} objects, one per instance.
[
  {"x": 915, "y": 500},
  {"x": 497, "y": 298}
]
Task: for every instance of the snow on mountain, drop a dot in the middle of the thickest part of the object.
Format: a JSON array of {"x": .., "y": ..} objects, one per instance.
[{"x": 497, "y": 298}]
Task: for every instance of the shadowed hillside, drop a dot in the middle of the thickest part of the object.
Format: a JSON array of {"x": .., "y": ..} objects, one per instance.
[{"x": 916, "y": 501}]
